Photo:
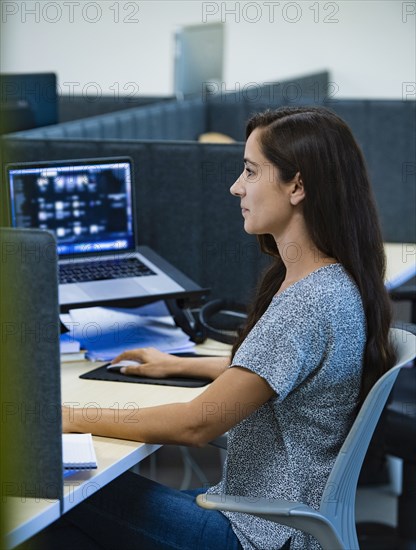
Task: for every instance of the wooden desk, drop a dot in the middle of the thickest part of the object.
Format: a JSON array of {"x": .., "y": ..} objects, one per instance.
[
  {"x": 114, "y": 456},
  {"x": 26, "y": 517}
]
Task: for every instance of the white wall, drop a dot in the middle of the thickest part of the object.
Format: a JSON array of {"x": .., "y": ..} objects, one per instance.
[{"x": 368, "y": 46}]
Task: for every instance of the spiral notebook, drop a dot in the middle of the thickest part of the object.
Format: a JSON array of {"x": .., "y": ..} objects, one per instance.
[{"x": 78, "y": 452}]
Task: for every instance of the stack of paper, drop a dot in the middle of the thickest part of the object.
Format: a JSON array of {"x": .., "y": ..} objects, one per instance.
[
  {"x": 68, "y": 344},
  {"x": 70, "y": 348},
  {"x": 106, "y": 332}
]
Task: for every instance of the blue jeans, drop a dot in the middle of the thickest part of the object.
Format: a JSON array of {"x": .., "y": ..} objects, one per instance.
[{"x": 133, "y": 512}]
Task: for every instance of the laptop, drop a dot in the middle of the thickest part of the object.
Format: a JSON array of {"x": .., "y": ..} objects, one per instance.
[{"x": 88, "y": 205}]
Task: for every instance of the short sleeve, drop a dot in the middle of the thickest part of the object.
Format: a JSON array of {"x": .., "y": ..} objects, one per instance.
[{"x": 287, "y": 344}]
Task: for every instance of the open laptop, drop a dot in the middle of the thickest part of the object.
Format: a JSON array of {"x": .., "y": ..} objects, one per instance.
[{"x": 88, "y": 205}]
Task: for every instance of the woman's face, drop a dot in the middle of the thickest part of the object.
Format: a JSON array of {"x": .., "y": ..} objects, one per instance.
[{"x": 266, "y": 202}]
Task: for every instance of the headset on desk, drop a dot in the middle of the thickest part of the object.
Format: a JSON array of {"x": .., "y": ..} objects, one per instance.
[
  {"x": 222, "y": 319},
  {"x": 218, "y": 319}
]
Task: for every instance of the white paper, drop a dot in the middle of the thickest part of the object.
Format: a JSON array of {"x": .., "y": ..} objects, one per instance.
[
  {"x": 68, "y": 344},
  {"x": 106, "y": 332}
]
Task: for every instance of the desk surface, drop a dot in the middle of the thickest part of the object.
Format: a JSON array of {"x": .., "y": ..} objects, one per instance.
[
  {"x": 24, "y": 518},
  {"x": 27, "y": 516},
  {"x": 114, "y": 456}
]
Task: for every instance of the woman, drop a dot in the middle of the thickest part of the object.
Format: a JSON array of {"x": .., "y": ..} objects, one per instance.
[{"x": 315, "y": 342}]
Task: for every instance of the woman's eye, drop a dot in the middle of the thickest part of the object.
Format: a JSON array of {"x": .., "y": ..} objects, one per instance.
[{"x": 248, "y": 171}]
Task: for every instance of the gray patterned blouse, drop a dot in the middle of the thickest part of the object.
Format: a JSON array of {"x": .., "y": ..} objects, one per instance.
[{"x": 309, "y": 347}]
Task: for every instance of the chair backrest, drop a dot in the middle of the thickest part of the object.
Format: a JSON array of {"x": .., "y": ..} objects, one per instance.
[{"x": 338, "y": 500}]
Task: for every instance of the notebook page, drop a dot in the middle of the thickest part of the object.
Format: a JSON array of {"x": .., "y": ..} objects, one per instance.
[{"x": 78, "y": 451}]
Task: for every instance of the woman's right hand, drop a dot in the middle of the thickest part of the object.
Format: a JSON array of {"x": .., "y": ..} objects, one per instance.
[{"x": 153, "y": 363}]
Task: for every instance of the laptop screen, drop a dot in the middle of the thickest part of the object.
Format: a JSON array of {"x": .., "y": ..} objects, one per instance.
[{"x": 87, "y": 204}]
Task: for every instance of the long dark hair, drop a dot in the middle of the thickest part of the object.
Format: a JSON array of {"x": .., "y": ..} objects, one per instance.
[{"x": 340, "y": 214}]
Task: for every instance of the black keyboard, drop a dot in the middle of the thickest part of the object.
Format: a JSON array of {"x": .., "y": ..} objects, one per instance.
[{"x": 102, "y": 270}]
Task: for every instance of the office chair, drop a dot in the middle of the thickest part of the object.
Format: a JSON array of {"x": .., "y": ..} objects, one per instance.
[
  {"x": 334, "y": 524},
  {"x": 396, "y": 436}
]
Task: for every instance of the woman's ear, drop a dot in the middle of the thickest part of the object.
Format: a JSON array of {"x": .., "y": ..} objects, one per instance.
[{"x": 297, "y": 190}]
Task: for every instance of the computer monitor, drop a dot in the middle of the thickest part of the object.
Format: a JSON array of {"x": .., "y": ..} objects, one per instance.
[
  {"x": 198, "y": 59},
  {"x": 28, "y": 101}
]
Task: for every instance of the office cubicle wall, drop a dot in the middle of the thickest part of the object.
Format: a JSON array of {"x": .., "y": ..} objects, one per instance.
[
  {"x": 74, "y": 107},
  {"x": 31, "y": 443},
  {"x": 28, "y": 100},
  {"x": 169, "y": 120},
  {"x": 386, "y": 132},
  {"x": 181, "y": 120},
  {"x": 228, "y": 111}
]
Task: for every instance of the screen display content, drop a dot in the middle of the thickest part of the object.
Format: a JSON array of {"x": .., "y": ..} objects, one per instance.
[{"x": 88, "y": 206}]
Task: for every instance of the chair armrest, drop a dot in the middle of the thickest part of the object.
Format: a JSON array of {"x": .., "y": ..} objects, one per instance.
[
  {"x": 292, "y": 514},
  {"x": 250, "y": 505},
  {"x": 220, "y": 442}
]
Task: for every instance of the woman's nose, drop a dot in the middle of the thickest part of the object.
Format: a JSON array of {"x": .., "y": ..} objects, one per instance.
[{"x": 236, "y": 188}]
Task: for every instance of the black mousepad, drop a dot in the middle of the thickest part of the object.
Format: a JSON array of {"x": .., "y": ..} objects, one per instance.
[{"x": 101, "y": 373}]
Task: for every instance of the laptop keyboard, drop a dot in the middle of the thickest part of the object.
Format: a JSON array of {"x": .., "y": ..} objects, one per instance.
[{"x": 102, "y": 270}]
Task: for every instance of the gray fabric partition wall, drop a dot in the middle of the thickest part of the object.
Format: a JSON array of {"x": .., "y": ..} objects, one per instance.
[
  {"x": 31, "y": 442},
  {"x": 73, "y": 107},
  {"x": 181, "y": 120},
  {"x": 386, "y": 132},
  {"x": 166, "y": 120},
  {"x": 228, "y": 112}
]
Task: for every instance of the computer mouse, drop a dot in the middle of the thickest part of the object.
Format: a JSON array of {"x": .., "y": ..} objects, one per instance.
[{"x": 115, "y": 367}]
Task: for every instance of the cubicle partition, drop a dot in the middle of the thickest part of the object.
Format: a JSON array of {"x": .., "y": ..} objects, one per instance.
[
  {"x": 76, "y": 106},
  {"x": 386, "y": 132},
  {"x": 227, "y": 112},
  {"x": 168, "y": 120},
  {"x": 385, "y": 129},
  {"x": 31, "y": 444},
  {"x": 28, "y": 100},
  {"x": 174, "y": 120}
]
